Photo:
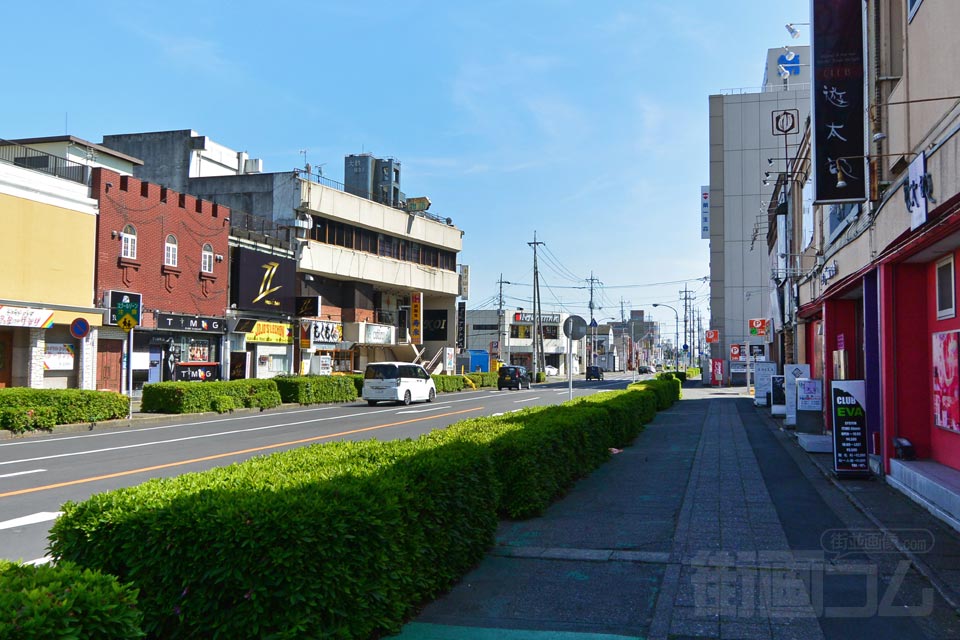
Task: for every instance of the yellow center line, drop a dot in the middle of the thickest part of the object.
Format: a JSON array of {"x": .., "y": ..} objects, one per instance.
[{"x": 241, "y": 452}]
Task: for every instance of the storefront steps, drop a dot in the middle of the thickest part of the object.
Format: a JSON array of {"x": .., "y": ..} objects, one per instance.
[{"x": 934, "y": 486}]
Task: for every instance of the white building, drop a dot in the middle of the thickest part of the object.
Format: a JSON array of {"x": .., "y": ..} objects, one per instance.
[{"x": 510, "y": 337}]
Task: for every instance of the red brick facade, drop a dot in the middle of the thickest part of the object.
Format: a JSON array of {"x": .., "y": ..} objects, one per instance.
[{"x": 156, "y": 213}]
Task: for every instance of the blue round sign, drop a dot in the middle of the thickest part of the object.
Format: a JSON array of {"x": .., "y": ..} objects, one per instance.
[{"x": 79, "y": 328}]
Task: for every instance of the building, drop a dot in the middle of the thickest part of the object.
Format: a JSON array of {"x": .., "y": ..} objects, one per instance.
[
  {"x": 753, "y": 133},
  {"x": 512, "y": 339},
  {"x": 49, "y": 322},
  {"x": 385, "y": 273}
]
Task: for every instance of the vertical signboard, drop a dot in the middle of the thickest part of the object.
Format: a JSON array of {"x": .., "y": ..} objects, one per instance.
[
  {"x": 461, "y": 325},
  {"x": 763, "y": 378},
  {"x": 416, "y": 318},
  {"x": 839, "y": 146},
  {"x": 716, "y": 372},
  {"x": 705, "y": 212},
  {"x": 792, "y": 372},
  {"x": 915, "y": 192},
  {"x": 848, "y": 403}
]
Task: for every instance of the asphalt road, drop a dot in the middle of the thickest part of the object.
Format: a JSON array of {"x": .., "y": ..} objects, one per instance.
[{"x": 40, "y": 472}]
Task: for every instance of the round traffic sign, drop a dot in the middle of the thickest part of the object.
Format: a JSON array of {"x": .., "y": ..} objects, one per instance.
[
  {"x": 575, "y": 327},
  {"x": 79, "y": 328}
]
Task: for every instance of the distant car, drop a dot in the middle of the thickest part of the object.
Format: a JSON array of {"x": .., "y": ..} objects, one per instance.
[
  {"x": 398, "y": 382},
  {"x": 594, "y": 373},
  {"x": 551, "y": 370},
  {"x": 645, "y": 368},
  {"x": 512, "y": 377}
]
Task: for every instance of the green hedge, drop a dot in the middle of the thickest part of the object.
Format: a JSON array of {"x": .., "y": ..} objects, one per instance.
[
  {"x": 488, "y": 379},
  {"x": 23, "y": 409},
  {"x": 65, "y": 602},
  {"x": 666, "y": 388},
  {"x": 316, "y": 389},
  {"x": 344, "y": 539},
  {"x": 198, "y": 397},
  {"x": 446, "y": 383}
]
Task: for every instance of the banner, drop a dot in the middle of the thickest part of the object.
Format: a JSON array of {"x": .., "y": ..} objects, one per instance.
[
  {"x": 416, "y": 318},
  {"x": 716, "y": 372},
  {"x": 839, "y": 145}
]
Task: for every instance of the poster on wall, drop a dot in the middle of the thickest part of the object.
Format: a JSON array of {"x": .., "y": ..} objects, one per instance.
[
  {"x": 58, "y": 356},
  {"x": 946, "y": 385}
]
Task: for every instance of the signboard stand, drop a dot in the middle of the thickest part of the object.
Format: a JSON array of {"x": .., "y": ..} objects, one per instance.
[{"x": 848, "y": 404}]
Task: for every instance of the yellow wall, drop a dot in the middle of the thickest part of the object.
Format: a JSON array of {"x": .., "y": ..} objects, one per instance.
[{"x": 46, "y": 253}]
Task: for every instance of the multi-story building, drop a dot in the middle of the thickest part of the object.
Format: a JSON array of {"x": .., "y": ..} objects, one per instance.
[
  {"x": 510, "y": 337},
  {"x": 385, "y": 272},
  {"x": 753, "y": 133},
  {"x": 874, "y": 195},
  {"x": 49, "y": 322}
]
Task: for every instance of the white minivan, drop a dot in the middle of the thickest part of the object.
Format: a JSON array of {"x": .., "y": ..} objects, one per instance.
[{"x": 397, "y": 382}]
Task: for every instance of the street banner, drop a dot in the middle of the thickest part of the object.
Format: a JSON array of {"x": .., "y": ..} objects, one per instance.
[
  {"x": 716, "y": 372},
  {"x": 848, "y": 402}
]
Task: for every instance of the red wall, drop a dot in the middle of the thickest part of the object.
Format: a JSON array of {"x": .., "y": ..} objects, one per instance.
[
  {"x": 944, "y": 444},
  {"x": 910, "y": 370},
  {"x": 156, "y": 212}
]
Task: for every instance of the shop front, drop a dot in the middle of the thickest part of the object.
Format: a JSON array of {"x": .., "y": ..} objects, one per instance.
[
  {"x": 180, "y": 349},
  {"x": 270, "y": 349},
  {"x": 322, "y": 341}
]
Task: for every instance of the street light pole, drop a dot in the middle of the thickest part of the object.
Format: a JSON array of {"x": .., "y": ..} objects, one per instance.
[{"x": 676, "y": 347}]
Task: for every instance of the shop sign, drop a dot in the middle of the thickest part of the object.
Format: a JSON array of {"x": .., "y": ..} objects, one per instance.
[
  {"x": 435, "y": 324},
  {"x": 315, "y": 333},
  {"x": 712, "y": 335},
  {"x": 716, "y": 371},
  {"x": 264, "y": 282},
  {"x": 528, "y": 318},
  {"x": 205, "y": 372},
  {"x": 462, "y": 325},
  {"x": 24, "y": 317},
  {"x": 809, "y": 394},
  {"x": 273, "y": 332},
  {"x": 918, "y": 191},
  {"x": 377, "y": 333},
  {"x": 171, "y": 322},
  {"x": 848, "y": 401},
  {"x": 58, "y": 356},
  {"x": 793, "y": 373},
  {"x": 416, "y": 318},
  {"x": 763, "y": 379}
]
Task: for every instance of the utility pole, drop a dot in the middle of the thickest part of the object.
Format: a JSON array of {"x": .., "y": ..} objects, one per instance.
[
  {"x": 501, "y": 321},
  {"x": 537, "y": 332},
  {"x": 593, "y": 348}
]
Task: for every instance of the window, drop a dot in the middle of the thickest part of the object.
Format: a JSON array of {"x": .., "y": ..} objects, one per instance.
[
  {"x": 946, "y": 308},
  {"x": 129, "y": 239},
  {"x": 206, "y": 259},
  {"x": 170, "y": 251}
]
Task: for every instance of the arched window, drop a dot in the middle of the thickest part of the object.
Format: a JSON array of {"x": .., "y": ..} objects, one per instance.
[
  {"x": 206, "y": 259},
  {"x": 128, "y": 237},
  {"x": 170, "y": 251}
]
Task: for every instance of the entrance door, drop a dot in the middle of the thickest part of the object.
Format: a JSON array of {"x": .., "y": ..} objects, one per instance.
[
  {"x": 109, "y": 365},
  {"x": 6, "y": 359}
]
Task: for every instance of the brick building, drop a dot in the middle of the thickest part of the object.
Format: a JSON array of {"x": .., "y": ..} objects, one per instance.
[{"x": 168, "y": 250}]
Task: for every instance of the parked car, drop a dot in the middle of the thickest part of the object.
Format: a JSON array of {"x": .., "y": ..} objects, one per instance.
[
  {"x": 397, "y": 382},
  {"x": 645, "y": 368},
  {"x": 512, "y": 377},
  {"x": 594, "y": 373}
]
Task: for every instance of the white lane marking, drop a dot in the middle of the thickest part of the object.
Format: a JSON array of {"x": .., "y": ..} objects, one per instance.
[
  {"x": 425, "y": 410},
  {"x": 137, "y": 430},
  {"x": 22, "y": 473},
  {"x": 33, "y": 518},
  {"x": 526, "y": 399}
]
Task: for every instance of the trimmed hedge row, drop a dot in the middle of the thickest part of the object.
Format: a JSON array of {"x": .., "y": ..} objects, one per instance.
[
  {"x": 316, "y": 389},
  {"x": 343, "y": 539},
  {"x": 666, "y": 388},
  {"x": 197, "y": 397},
  {"x": 65, "y": 602},
  {"x": 446, "y": 384},
  {"x": 23, "y": 409}
]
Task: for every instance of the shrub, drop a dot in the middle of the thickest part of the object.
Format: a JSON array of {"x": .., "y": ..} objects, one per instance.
[
  {"x": 51, "y": 407},
  {"x": 65, "y": 602},
  {"x": 666, "y": 387},
  {"x": 222, "y": 404},
  {"x": 541, "y": 376},
  {"x": 316, "y": 389},
  {"x": 446, "y": 383},
  {"x": 197, "y": 397}
]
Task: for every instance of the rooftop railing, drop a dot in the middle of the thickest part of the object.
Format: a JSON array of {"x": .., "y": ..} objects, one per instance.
[{"x": 28, "y": 158}]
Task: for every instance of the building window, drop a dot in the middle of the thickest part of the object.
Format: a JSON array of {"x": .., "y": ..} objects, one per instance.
[
  {"x": 170, "y": 251},
  {"x": 129, "y": 239},
  {"x": 206, "y": 259},
  {"x": 946, "y": 306}
]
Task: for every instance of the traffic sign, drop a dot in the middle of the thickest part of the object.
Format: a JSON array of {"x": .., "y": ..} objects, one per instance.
[
  {"x": 575, "y": 327},
  {"x": 758, "y": 326},
  {"x": 79, "y": 328},
  {"x": 735, "y": 352},
  {"x": 712, "y": 335},
  {"x": 686, "y": 347},
  {"x": 126, "y": 323}
]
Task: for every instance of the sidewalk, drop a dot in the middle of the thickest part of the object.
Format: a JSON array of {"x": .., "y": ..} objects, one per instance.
[{"x": 713, "y": 524}]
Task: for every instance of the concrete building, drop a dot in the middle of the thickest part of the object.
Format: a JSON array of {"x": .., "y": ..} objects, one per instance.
[
  {"x": 511, "y": 337},
  {"x": 753, "y": 133},
  {"x": 51, "y": 322},
  {"x": 386, "y": 275}
]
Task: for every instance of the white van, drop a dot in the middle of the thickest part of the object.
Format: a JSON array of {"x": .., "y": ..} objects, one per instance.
[{"x": 397, "y": 382}]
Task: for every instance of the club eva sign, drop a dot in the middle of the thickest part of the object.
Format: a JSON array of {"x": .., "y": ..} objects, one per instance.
[{"x": 848, "y": 399}]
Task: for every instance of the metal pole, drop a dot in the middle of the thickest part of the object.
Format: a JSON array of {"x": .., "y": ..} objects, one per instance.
[
  {"x": 569, "y": 368},
  {"x": 130, "y": 376}
]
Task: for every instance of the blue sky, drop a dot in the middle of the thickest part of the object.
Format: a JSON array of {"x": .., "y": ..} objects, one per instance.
[{"x": 583, "y": 122}]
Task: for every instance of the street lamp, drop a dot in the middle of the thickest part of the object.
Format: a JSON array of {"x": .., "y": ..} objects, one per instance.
[{"x": 676, "y": 347}]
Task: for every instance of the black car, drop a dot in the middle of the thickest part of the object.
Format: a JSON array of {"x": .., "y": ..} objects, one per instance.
[
  {"x": 512, "y": 377},
  {"x": 594, "y": 373}
]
